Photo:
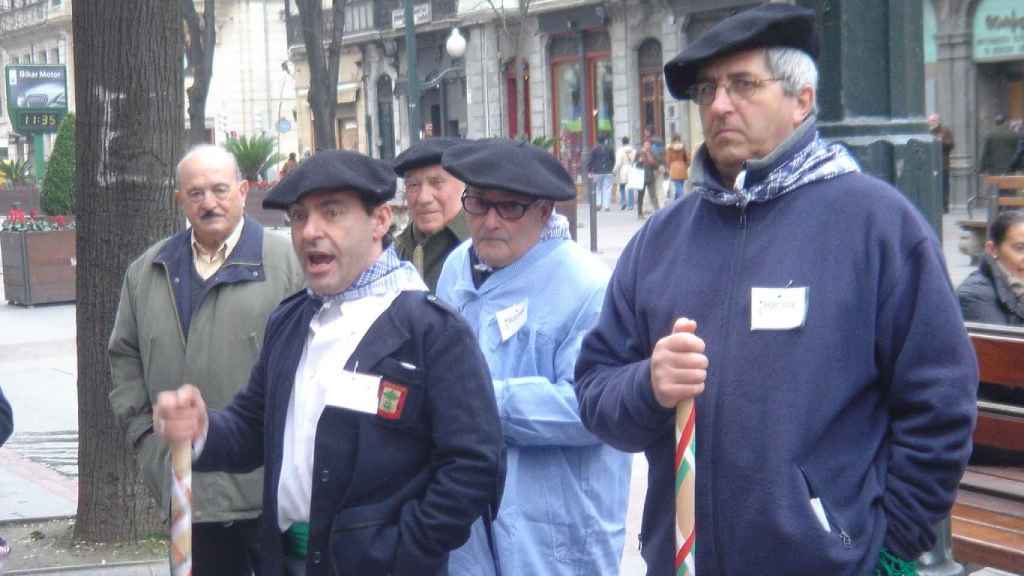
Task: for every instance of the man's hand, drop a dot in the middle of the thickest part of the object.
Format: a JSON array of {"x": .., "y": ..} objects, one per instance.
[
  {"x": 678, "y": 365},
  {"x": 180, "y": 416}
]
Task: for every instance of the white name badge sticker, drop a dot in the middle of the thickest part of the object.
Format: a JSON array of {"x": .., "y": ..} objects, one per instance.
[
  {"x": 778, "y": 308},
  {"x": 511, "y": 319},
  {"x": 352, "y": 391}
]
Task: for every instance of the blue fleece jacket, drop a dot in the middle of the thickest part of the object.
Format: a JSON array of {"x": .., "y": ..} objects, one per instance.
[{"x": 868, "y": 407}]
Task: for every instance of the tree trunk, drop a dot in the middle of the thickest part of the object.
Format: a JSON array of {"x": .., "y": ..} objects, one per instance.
[
  {"x": 202, "y": 40},
  {"x": 129, "y": 84},
  {"x": 521, "y": 119},
  {"x": 323, "y": 68}
]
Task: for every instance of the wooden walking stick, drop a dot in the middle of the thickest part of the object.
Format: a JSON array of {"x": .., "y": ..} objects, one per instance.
[
  {"x": 181, "y": 509},
  {"x": 686, "y": 414}
]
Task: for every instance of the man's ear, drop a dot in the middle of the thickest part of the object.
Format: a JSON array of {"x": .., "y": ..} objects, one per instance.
[
  {"x": 243, "y": 190},
  {"x": 381, "y": 220},
  {"x": 804, "y": 105}
]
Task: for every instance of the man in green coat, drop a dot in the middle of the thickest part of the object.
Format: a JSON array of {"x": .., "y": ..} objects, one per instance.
[
  {"x": 434, "y": 197},
  {"x": 193, "y": 309}
]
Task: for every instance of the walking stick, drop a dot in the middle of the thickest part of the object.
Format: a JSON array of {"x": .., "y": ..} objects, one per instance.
[
  {"x": 181, "y": 509},
  {"x": 686, "y": 415}
]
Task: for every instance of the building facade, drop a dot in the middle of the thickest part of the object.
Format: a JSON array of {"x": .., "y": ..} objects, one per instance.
[
  {"x": 977, "y": 74},
  {"x": 34, "y": 32}
]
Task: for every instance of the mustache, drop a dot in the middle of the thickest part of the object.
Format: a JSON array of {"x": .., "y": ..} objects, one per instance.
[{"x": 210, "y": 215}]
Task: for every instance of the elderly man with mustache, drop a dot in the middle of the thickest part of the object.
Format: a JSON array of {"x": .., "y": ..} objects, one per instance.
[
  {"x": 530, "y": 294},
  {"x": 193, "y": 309}
]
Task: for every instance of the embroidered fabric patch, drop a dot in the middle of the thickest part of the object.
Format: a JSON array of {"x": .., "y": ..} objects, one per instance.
[{"x": 392, "y": 400}]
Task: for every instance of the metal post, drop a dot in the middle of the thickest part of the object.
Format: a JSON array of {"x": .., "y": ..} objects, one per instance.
[
  {"x": 586, "y": 115},
  {"x": 412, "y": 92},
  {"x": 38, "y": 157}
]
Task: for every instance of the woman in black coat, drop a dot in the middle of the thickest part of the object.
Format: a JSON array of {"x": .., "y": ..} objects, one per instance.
[{"x": 994, "y": 293}]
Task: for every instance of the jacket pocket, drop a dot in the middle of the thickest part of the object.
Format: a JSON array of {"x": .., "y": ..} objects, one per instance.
[
  {"x": 401, "y": 395},
  {"x": 822, "y": 510},
  {"x": 364, "y": 540}
]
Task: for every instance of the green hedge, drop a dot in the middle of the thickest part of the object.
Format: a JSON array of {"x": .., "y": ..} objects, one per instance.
[{"x": 58, "y": 195}]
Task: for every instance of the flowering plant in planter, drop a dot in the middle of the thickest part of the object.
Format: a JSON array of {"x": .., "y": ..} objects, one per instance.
[{"x": 18, "y": 221}]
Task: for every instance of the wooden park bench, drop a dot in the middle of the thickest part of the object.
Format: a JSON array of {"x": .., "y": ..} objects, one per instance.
[{"x": 988, "y": 517}]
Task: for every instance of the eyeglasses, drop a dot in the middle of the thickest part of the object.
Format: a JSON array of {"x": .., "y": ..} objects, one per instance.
[
  {"x": 507, "y": 209},
  {"x": 703, "y": 93},
  {"x": 197, "y": 195}
]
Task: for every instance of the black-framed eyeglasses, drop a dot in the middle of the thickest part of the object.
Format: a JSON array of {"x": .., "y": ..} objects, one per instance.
[
  {"x": 507, "y": 209},
  {"x": 703, "y": 93}
]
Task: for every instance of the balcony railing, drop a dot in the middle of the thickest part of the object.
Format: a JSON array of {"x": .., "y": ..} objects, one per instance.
[
  {"x": 30, "y": 13},
  {"x": 374, "y": 15}
]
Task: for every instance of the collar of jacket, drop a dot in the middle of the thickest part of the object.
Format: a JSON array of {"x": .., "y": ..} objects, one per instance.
[
  {"x": 707, "y": 181},
  {"x": 244, "y": 263},
  {"x": 457, "y": 227},
  {"x": 1005, "y": 294}
]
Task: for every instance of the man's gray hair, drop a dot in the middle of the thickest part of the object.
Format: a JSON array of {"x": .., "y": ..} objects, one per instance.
[
  {"x": 795, "y": 69},
  {"x": 209, "y": 151}
]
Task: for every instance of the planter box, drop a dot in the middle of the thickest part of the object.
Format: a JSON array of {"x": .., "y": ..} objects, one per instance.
[{"x": 39, "y": 267}]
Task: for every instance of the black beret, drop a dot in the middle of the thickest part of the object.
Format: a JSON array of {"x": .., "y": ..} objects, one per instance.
[
  {"x": 766, "y": 26},
  {"x": 511, "y": 165},
  {"x": 424, "y": 153},
  {"x": 372, "y": 179}
]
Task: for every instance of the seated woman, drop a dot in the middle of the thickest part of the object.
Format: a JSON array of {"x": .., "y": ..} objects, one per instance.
[{"x": 994, "y": 294}]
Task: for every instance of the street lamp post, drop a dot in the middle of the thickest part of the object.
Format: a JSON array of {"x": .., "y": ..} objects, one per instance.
[
  {"x": 412, "y": 92},
  {"x": 456, "y": 48}
]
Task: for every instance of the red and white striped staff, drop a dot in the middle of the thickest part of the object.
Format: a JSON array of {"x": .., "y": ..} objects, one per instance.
[
  {"x": 686, "y": 419},
  {"x": 181, "y": 509}
]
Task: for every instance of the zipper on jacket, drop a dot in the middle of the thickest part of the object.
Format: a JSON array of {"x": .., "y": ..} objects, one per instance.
[{"x": 729, "y": 326}]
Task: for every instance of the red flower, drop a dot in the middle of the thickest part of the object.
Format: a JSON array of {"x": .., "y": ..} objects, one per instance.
[
  {"x": 34, "y": 213},
  {"x": 58, "y": 220}
]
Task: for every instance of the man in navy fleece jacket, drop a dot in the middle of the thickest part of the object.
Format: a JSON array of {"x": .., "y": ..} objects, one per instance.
[{"x": 835, "y": 396}]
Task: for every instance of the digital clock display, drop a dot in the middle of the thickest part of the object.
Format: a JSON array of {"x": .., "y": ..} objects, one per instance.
[{"x": 38, "y": 121}]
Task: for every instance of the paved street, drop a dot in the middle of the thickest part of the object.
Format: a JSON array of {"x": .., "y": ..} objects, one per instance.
[{"x": 38, "y": 471}]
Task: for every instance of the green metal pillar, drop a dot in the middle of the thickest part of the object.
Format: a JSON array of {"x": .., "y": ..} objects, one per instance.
[
  {"x": 871, "y": 98},
  {"x": 412, "y": 92},
  {"x": 871, "y": 94},
  {"x": 38, "y": 158}
]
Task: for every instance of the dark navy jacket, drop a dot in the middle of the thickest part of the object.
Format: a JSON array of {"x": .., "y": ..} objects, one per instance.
[
  {"x": 6, "y": 419},
  {"x": 389, "y": 496},
  {"x": 869, "y": 406}
]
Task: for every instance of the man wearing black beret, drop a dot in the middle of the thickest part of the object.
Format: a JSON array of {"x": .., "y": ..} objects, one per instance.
[
  {"x": 530, "y": 293},
  {"x": 835, "y": 396},
  {"x": 434, "y": 197},
  {"x": 370, "y": 406}
]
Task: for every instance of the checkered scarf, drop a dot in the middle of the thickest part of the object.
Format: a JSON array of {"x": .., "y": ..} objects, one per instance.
[
  {"x": 817, "y": 161},
  {"x": 386, "y": 274}
]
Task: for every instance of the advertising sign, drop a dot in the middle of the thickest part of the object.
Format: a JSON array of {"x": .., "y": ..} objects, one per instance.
[
  {"x": 999, "y": 31},
  {"x": 37, "y": 97}
]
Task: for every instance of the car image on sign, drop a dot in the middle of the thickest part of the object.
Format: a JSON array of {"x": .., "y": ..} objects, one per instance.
[{"x": 49, "y": 95}]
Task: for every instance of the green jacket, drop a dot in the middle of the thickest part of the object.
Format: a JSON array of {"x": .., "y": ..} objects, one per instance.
[
  {"x": 436, "y": 247},
  {"x": 149, "y": 353}
]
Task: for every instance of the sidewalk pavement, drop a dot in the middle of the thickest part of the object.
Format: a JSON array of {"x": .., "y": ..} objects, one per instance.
[{"x": 38, "y": 466}]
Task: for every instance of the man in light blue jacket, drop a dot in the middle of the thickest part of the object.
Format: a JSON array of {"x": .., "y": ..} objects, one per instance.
[{"x": 530, "y": 294}]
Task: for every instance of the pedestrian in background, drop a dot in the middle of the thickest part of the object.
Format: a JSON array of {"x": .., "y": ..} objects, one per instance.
[
  {"x": 943, "y": 134},
  {"x": 434, "y": 198},
  {"x": 370, "y": 406},
  {"x": 624, "y": 158},
  {"x": 193, "y": 309},
  {"x": 600, "y": 166},
  {"x": 530, "y": 293},
  {"x": 678, "y": 159},
  {"x": 647, "y": 160},
  {"x": 834, "y": 393}
]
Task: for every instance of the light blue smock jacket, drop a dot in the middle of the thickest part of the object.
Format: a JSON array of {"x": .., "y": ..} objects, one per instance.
[{"x": 564, "y": 506}]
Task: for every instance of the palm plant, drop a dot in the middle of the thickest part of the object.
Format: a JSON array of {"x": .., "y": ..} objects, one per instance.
[
  {"x": 254, "y": 154},
  {"x": 15, "y": 172}
]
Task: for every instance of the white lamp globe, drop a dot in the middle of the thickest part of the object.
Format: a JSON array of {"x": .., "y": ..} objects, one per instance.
[{"x": 456, "y": 44}]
